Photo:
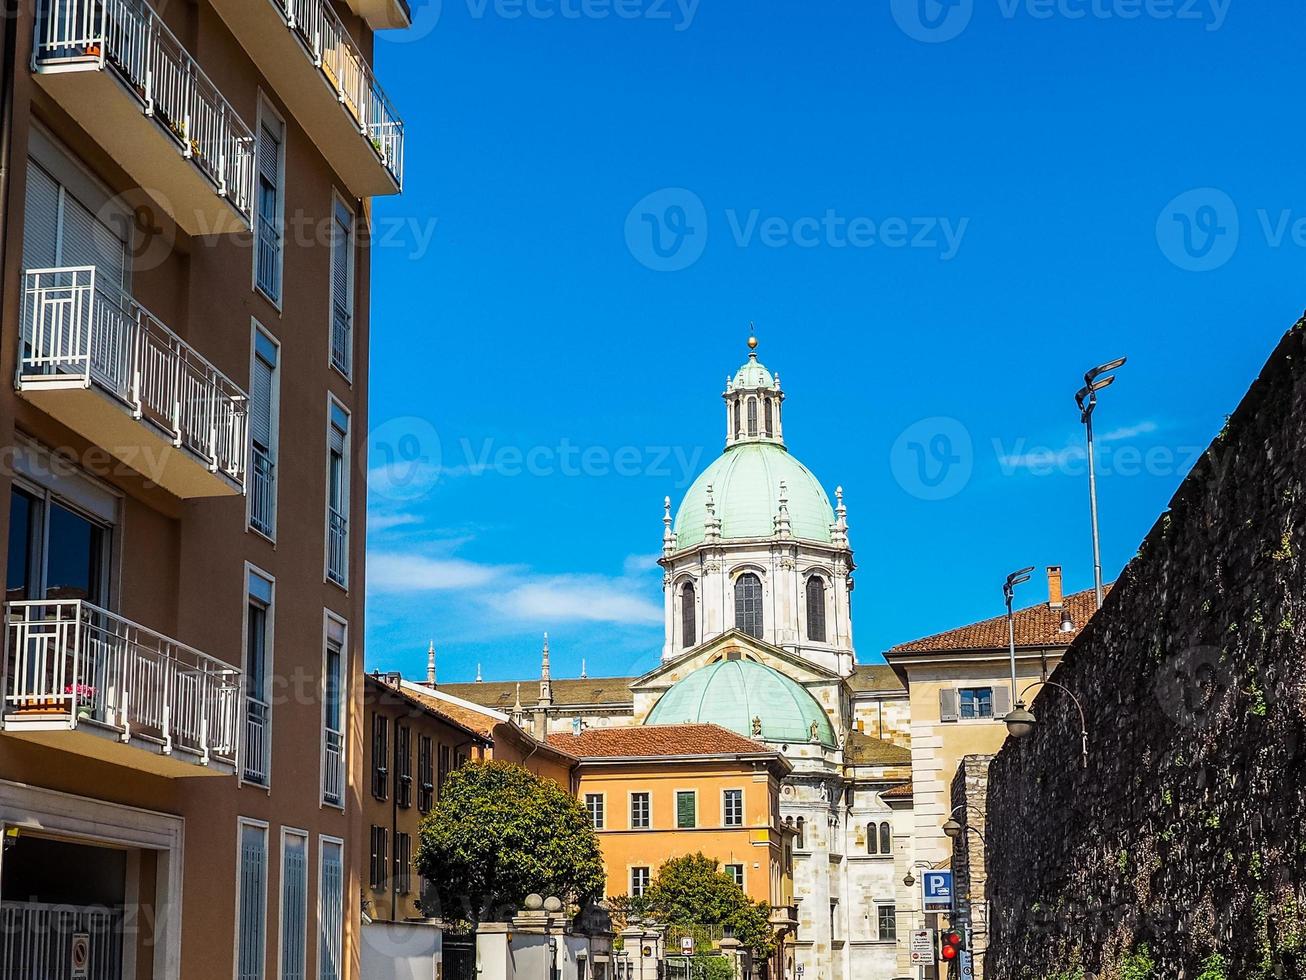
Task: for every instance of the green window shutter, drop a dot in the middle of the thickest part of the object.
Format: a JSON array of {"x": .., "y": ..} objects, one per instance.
[{"x": 686, "y": 815}]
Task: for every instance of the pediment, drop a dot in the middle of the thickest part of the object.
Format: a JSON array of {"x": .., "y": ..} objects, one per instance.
[{"x": 731, "y": 644}]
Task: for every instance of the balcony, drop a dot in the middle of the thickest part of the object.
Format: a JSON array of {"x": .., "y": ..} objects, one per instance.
[
  {"x": 79, "y": 678},
  {"x": 116, "y": 68},
  {"x": 316, "y": 68},
  {"x": 102, "y": 364}
]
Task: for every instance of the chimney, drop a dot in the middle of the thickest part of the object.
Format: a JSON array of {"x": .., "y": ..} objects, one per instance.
[{"x": 1055, "y": 598}]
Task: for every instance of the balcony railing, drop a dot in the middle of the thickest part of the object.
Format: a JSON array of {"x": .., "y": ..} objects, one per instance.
[
  {"x": 337, "y": 546},
  {"x": 332, "y": 49},
  {"x": 257, "y": 732},
  {"x": 128, "y": 37},
  {"x": 262, "y": 493},
  {"x": 74, "y": 663},
  {"x": 77, "y": 327},
  {"x": 333, "y": 770}
]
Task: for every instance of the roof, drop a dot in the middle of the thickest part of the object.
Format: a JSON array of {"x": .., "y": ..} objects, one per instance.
[
  {"x": 901, "y": 792},
  {"x": 1037, "y": 626},
  {"x": 737, "y": 694},
  {"x": 875, "y": 677},
  {"x": 745, "y": 482},
  {"x": 437, "y": 709},
  {"x": 867, "y": 750},
  {"x": 487, "y": 723},
  {"x": 753, "y": 374},
  {"x": 654, "y": 741},
  {"x": 502, "y": 695}
]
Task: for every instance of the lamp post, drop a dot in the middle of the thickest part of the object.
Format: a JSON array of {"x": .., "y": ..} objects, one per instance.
[
  {"x": 1021, "y": 722},
  {"x": 1086, "y": 399},
  {"x": 1008, "y": 594},
  {"x": 954, "y": 828}
]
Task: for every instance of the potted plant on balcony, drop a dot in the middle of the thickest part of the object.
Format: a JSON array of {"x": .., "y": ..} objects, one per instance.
[{"x": 84, "y": 699}]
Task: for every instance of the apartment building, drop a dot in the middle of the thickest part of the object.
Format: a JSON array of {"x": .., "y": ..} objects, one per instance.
[{"x": 183, "y": 337}]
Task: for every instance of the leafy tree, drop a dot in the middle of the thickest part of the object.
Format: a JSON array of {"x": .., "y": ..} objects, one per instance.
[
  {"x": 693, "y": 890},
  {"x": 498, "y": 833}
]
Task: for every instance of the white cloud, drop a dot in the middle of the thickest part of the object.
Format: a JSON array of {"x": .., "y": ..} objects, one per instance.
[
  {"x": 573, "y": 598},
  {"x": 1129, "y": 431},
  {"x": 397, "y": 572},
  {"x": 384, "y": 522},
  {"x": 637, "y": 564}
]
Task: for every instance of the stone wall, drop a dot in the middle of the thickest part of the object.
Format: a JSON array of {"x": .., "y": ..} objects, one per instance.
[
  {"x": 970, "y": 791},
  {"x": 1180, "y": 852}
]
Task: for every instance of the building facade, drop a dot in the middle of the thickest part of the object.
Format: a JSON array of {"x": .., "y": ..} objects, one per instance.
[{"x": 183, "y": 314}]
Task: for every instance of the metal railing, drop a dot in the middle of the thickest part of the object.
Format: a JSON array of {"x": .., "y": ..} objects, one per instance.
[
  {"x": 36, "y": 940},
  {"x": 75, "y": 326},
  {"x": 86, "y": 665},
  {"x": 341, "y": 340},
  {"x": 269, "y": 258},
  {"x": 257, "y": 732},
  {"x": 130, "y": 38},
  {"x": 332, "y": 49},
  {"x": 333, "y": 771},
  {"x": 337, "y": 546},
  {"x": 262, "y": 493}
]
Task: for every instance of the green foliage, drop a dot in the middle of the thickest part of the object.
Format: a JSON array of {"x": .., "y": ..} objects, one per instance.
[
  {"x": 709, "y": 967},
  {"x": 693, "y": 890},
  {"x": 1215, "y": 967},
  {"x": 498, "y": 833},
  {"x": 1070, "y": 973},
  {"x": 1137, "y": 965}
]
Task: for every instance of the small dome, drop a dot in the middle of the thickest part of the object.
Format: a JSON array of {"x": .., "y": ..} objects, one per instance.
[
  {"x": 752, "y": 375},
  {"x": 745, "y": 482},
  {"x": 731, "y": 693}
]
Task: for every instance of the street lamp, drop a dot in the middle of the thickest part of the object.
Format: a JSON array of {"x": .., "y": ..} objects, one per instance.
[
  {"x": 1086, "y": 399},
  {"x": 954, "y": 828},
  {"x": 1009, "y": 593},
  {"x": 1021, "y": 722}
]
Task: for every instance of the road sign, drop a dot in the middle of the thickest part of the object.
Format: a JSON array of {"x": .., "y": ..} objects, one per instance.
[
  {"x": 922, "y": 947},
  {"x": 80, "y": 956},
  {"x": 936, "y": 891},
  {"x": 967, "y": 964},
  {"x": 687, "y": 945}
]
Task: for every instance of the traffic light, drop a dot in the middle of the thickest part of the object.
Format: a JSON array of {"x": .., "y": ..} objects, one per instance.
[{"x": 950, "y": 946}]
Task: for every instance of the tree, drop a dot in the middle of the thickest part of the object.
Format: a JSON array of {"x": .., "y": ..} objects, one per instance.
[
  {"x": 694, "y": 891},
  {"x": 498, "y": 833}
]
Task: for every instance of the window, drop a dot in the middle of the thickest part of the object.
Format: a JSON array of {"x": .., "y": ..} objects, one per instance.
[
  {"x": 752, "y": 416},
  {"x": 57, "y": 550},
  {"x": 736, "y": 873},
  {"x": 739, "y": 429},
  {"x": 445, "y": 765},
  {"x": 816, "y": 609},
  {"x": 886, "y": 838},
  {"x": 263, "y": 384},
  {"x": 258, "y": 666},
  {"x": 976, "y": 702},
  {"x": 425, "y": 774},
  {"x": 748, "y": 604},
  {"x": 732, "y": 808},
  {"x": 688, "y": 626},
  {"x": 686, "y": 809},
  {"x": 768, "y": 417},
  {"x": 294, "y": 904},
  {"x": 639, "y": 881},
  {"x": 594, "y": 806},
  {"x": 801, "y": 842},
  {"x": 640, "y": 811},
  {"x": 403, "y": 864},
  {"x": 342, "y": 287},
  {"x": 268, "y": 197},
  {"x": 333, "y": 713},
  {"x": 337, "y": 558},
  {"x": 380, "y": 754},
  {"x": 403, "y": 766},
  {"x": 887, "y": 922},
  {"x": 330, "y": 907},
  {"x": 376, "y": 865},
  {"x": 879, "y": 838},
  {"x": 252, "y": 899}
]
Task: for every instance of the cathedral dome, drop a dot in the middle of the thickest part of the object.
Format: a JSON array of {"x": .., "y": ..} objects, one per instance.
[
  {"x": 732, "y": 693},
  {"x": 745, "y": 482}
]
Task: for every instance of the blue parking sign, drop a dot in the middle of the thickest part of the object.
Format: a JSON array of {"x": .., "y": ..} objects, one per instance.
[{"x": 936, "y": 889}]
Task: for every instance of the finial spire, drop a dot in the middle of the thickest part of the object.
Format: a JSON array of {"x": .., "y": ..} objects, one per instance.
[
  {"x": 668, "y": 536},
  {"x": 430, "y": 664},
  {"x": 839, "y": 528},
  {"x": 752, "y": 341},
  {"x": 583, "y": 675},
  {"x": 479, "y": 679},
  {"x": 782, "y": 526},
  {"x": 712, "y": 525},
  {"x": 516, "y": 707},
  {"x": 546, "y": 684}
]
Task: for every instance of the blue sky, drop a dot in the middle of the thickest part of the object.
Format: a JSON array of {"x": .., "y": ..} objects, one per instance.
[{"x": 938, "y": 217}]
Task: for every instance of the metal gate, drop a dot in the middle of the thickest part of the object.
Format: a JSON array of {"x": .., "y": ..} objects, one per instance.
[
  {"x": 459, "y": 956},
  {"x": 36, "y": 941}
]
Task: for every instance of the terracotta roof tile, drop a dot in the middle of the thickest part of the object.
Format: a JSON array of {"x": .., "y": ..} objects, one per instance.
[
  {"x": 867, "y": 750},
  {"x": 1036, "y": 626},
  {"x": 902, "y": 792},
  {"x": 651, "y": 741},
  {"x": 437, "y": 709},
  {"x": 502, "y": 695},
  {"x": 469, "y": 717}
]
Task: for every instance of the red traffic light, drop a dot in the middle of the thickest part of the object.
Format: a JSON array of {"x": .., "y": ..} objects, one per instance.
[{"x": 950, "y": 945}]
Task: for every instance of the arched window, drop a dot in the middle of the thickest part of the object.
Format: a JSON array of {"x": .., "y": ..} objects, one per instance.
[
  {"x": 767, "y": 416},
  {"x": 739, "y": 429},
  {"x": 688, "y": 626},
  {"x": 748, "y": 604},
  {"x": 752, "y": 416},
  {"x": 886, "y": 838},
  {"x": 872, "y": 839},
  {"x": 816, "y": 609},
  {"x": 802, "y": 835}
]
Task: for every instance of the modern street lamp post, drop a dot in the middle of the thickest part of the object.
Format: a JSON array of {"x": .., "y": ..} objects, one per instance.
[
  {"x": 1009, "y": 594},
  {"x": 1086, "y": 399}
]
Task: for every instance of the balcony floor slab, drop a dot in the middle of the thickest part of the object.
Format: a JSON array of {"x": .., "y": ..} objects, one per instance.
[{"x": 105, "y": 745}]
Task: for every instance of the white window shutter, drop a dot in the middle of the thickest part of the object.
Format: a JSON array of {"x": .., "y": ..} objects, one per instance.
[
  {"x": 41, "y": 220},
  {"x": 1001, "y": 701},
  {"x": 949, "y": 709}
]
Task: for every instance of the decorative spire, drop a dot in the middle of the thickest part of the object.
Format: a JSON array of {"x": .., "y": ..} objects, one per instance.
[
  {"x": 478, "y": 673},
  {"x": 546, "y": 684},
  {"x": 668, "y": 536},
  {"x": 782, "y": 527},
  {"x": 516, "y": 707},
  {"x": 430, "y": 664},
  {"x": 839, "y": 529},
  {"x": 752, "y": 341},
  {"x": 583, "y": 675},
  {"x": 711, "y": 526}
]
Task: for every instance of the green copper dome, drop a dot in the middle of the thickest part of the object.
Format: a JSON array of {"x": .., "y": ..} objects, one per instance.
[
  {"x": 745, "y": 482},
  {"x": 731, "y": 693},
  {"x": 753, "y": 375}
]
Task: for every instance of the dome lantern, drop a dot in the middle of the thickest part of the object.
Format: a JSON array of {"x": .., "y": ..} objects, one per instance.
[{"x": 753, "y": 398}]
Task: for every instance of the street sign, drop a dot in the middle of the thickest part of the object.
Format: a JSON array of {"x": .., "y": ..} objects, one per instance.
[
  {"x": 922, "y": 947},
  {"x": 936, "y": 891},
  {"x": 967, "y": 964},
  {"x": 80, "y": 956},
  {"x": 687, "y": 945}
]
